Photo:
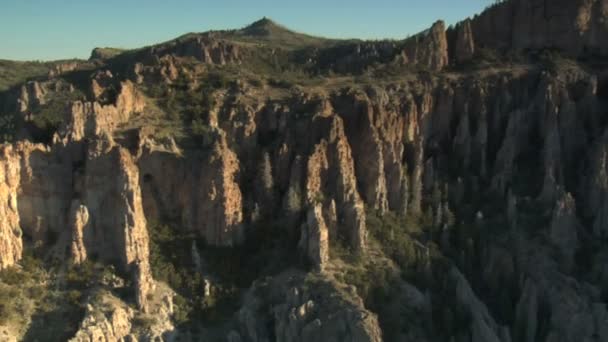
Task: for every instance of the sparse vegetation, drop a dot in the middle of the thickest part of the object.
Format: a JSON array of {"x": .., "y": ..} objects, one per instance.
[
  {"x": 228, "y": 270},
  {"x": 394, "y": 255},
  {"x": 48, "y": 117},
  {"x": 272, "y": 34},
  {"x": 396, "y": 235},
  {"x": 27, "y": 293},
  {"x": 43, "y": 301},
  {"x": 106, "y": 52},
  {"x": 13, "y": 73}
]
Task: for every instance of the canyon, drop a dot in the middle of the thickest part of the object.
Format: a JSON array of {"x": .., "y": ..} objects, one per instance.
[{"x": 265, "y": 185}]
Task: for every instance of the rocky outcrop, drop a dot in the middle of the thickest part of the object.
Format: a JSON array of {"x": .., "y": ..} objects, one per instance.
[
  {"x": 112, "y": 325},
  {"x": 11, "y": 245},
  {"x": 314, "y": 241},
  {"x": 104, "y": 53},
  {"x": 368, "y": 150},
  {"x": 213, "y": 208},
  {"x": 62, "y": 68},
  {"x": 465, "y": 43},
  {"x": 45, "y": 190},
  {"x": 265, "y": 191},
  {"x": 79, "y": 224},
  {"x": 118, "y": 225},
  {"x": 576, "y": 27},
  {"x": 108, "y": 319},
  {"x": 378, "y": 126},
  {"x": 355, "y": 57},
  {"x": 526, "y": 312},
  {"x": 220, "y": 216},
  {"x": 315, "y": 312},
  {"x": 330, "y": 172},
  {"x": 564, "y": 228},
  {"x": 32, "y": 94},
  {"x": 92, "y": 119},
  {"x": 565, "y": 309},
  {"x": 206, "y": 48},
  {"x": 102, "y": 85},
  {"x": 597, "y": 188},
  {"x": 482, "y": 325},
  {"x": 428, "y": 49},
  {"x": 163, "y": 69}
]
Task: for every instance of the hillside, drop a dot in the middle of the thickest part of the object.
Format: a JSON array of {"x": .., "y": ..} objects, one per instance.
[{"x": 261, "y": 184}]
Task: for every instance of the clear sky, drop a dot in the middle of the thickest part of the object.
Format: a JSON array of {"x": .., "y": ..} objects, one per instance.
[{"x": 58, "y": 29}]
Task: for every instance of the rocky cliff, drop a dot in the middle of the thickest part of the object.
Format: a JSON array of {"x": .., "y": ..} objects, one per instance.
[
  {"x": 577, "y": 27},
  {"x": 380, "y": 190},
  {"x": 12, "y": 245}
]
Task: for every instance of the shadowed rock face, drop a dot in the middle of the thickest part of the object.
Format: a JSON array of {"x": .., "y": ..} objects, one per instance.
[
  {"x": 575, "y": 27},
  {"x": 303, "y": 314},
  {"x": 464, "y": 48}
]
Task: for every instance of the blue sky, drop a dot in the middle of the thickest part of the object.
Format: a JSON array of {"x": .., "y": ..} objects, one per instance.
[{"x": 57, "y": 29}]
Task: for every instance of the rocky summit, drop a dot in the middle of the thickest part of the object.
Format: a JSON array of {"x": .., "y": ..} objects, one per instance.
[{"x": 260, "y": 184}]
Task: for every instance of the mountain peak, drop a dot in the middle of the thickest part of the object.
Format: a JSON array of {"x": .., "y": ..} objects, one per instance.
[
  {"x": 264, "y": 27},
  {"x": 264, "y": 21},
  {"x": 268, "y": 31}
]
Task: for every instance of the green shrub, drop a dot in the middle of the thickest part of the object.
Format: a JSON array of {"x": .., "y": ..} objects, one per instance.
[
  {"x": 13, "y": 73},
  {"x": 318, "y": 198},
  {"x": 182, "y": 309},
  {"x": 341, "y": 250},
  {"x": 216, "y": 79},
  {"x": 256, "y": 82},
  {"x": 267, "y": 251},
  {"x": 13, "y": 276},
  {"x": 280, "y": 83},
  {"x": 393, "y": 235},
  {"x": 82, "y": 276},
  {"x": 9, "y": 297},
  {"x": 36, "y": 293},
  {"x": 48, "y": 117},
  {"x": 143, "y": 322},
  {"x": 378, "y": 285},
  {"x": 202, "y": 132},
  {"x": 74, "y": 297}
]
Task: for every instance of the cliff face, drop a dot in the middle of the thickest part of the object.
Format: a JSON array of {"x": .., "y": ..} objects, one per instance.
[
  {"x": 221, "y": 215},
  {"x": 91, "y": 210},
  {"x": 384, "y": 148},
  {"x": 463, "y": 42},
  {"x": 111, "y": 185},
  {"x": 429, "y": 48},
  {"x": 96, "y": 118},
  {"x": 10, "y": 236},
  {"x": 575, "y": 27},
  {"x": 486, "y": 188},
  {"x": 83, "y": 196}
]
